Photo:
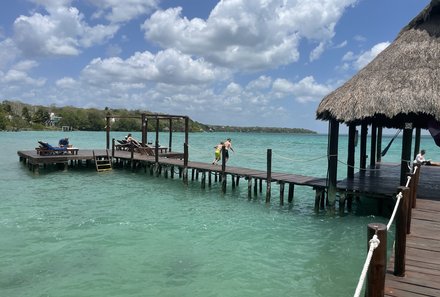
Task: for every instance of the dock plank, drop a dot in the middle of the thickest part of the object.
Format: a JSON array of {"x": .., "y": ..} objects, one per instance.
[{"x": 422, "y": 270}]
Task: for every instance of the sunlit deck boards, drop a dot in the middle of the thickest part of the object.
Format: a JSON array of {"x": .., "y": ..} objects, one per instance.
[{"x": 422, "y": 276}]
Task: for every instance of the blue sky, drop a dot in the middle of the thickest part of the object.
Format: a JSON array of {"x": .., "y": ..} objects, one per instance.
[{"x": 232, "y": 62}]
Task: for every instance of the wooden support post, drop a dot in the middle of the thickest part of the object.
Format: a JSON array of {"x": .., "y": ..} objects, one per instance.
[
  {"x": 209, "y": 178},
  {"x": 132, "y": 157},
  {"x": 317, "y": 200},
  {"x": 269, "y": 175},
  {"x": 249, "y": 186},
  {"x": 232, "y": 181},
  {"x": 349, "y": 202},
  {"x": 156, "y": 143},
  {"x": 113, "y": 148},
  {"x": 410, "y": 200},
  {"x": 197, "y": 174},
  {"x": 185, "y": 152},
  {"x": 172, "y": 171},
  {"x": 261, "y": 185},
  {"x": 281, "y": 193},
  {"x": 379, "y": 144},
  {"x": 215, "y": 177},
  {"x": 375, "y": 286},
  {"x": 237, "y": 180},
  {"x": 144, "y": 129},
  {"x": 401, "y": 232},
  {"x": 223, "y": 169},
  {"x": 342, "y": 199},
  {"x": 406, "y": 152},
  {"x": 192, "y": 174},
  {"x": 416, "y": 186},
  {"x": 165, "y": 173},
  {"x": 170, "y": 140},
  {"x": 256, "y": 187},
  {"x": 203, "y": 182},
  {"x": 416, "y": 143},
  {"x": 291, "y": 192},
  {"x": 373, "y": 146},
  {"x": 185, "y": 163},
  {"x": 351, "y": 150},
  {"x": 363, "y": 149},
  {"x": 107, "y": 130},
  {"x": 333, "y": 161}
]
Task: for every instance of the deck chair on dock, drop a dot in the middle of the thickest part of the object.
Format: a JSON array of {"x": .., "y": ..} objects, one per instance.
[
  {"x": 123, "y": 145},
  {"x": 46, "y": 149}
]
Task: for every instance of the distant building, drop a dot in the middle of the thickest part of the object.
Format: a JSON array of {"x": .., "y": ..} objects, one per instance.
[{"x": 53, "y": 119}]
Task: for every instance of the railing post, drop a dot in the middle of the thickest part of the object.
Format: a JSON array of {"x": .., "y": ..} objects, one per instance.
[
  {"x": 185, "y": 163},
  {"x": 113, "y": 148},
  {"x": 269, "y": 174},
  {"x": 416, "y": 185},
  {"x": 377, "y": 269},
  {"x": 401, "y": 231}
]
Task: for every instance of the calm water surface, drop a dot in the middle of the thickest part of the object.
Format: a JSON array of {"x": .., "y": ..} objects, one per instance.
[{"x": 83, "y": 233}]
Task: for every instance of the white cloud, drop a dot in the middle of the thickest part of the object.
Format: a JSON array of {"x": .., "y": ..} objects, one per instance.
[
  {"x": 317, "y": 52},
  {"x": 367, "y": 56},
  {"x": 169, "y": 66},
  {"x": 62, "y": 32},
  {"x": 358, "y": 61},
  {"x": 306, "y": 90},
  {"x": 66, "y": 83},
  {"x": 18, "y": 75},
  {"x": 8, "y": 54},
  {"x": 248, "y": 34},
  {"x": 261, "y": 83}
]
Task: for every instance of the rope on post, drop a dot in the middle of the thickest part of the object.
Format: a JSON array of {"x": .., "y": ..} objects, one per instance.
[
  {"x": 399, "y": 197},
  {"x": 374, "y": 243}
]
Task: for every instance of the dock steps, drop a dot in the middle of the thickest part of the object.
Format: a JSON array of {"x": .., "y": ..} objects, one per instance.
[{"x": 102, "y": 161}]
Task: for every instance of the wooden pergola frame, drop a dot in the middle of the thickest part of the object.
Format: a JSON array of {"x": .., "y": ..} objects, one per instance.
[{"x": 144, "y": 118}]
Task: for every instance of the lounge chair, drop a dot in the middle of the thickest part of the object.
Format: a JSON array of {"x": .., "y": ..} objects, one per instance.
[
  {"x": 46, "y": 149},
  {"x": 123, "y": 145}
]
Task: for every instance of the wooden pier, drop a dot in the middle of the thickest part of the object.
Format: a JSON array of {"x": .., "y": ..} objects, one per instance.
[
  {"x": 423, "y": 244},
  {"x": 422, "y": 277},
  {"x": 204, "y": 171}
]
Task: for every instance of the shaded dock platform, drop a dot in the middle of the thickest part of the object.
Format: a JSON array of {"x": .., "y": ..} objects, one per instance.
[
  {"x": 422, "y": 277},
  {"x": 383, "y": 181}
]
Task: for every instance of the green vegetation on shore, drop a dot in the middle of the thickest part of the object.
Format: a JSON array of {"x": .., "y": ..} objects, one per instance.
[{"x": 16, "y": 116}]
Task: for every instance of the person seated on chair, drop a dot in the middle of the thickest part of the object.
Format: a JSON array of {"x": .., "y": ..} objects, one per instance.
[
  {"x": 64, "y": 142},
  {"x": 420, "y": 159},
  {"x": 130, "y": 139}
]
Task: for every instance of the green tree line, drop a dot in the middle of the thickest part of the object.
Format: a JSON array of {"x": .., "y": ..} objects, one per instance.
[{"x": 15, "y": 116}]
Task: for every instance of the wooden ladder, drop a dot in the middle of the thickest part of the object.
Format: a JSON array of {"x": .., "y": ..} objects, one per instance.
[{"x": 102, "y": 162}]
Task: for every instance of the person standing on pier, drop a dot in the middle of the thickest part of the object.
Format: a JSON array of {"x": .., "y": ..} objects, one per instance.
[{"x": 228, "y": 146}]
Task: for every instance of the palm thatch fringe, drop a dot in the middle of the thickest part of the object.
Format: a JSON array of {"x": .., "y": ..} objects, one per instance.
[{"x": 400, "y": 85}]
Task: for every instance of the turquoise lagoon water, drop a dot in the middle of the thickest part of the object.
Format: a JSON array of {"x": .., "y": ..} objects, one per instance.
[{"x": 83, "y": 233}]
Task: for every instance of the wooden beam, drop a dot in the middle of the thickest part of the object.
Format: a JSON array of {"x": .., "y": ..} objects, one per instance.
[
  {"x": 373, "y": 145},
  {"x": 333, "y": 160},
  {"x": 406, "y": 152},
  {"x": 351, "y": 150},
  {"x": 363, "y": 149}
]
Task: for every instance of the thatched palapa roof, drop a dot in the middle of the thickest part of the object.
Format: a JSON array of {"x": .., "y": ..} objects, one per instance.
[{"x": 402, "y": 84}]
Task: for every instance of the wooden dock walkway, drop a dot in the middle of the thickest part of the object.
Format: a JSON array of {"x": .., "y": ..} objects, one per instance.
[{"x": 422, "y": 277}]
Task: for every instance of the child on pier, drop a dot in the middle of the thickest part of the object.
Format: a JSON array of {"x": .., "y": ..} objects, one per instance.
[{"x": 218, "y": 153}]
